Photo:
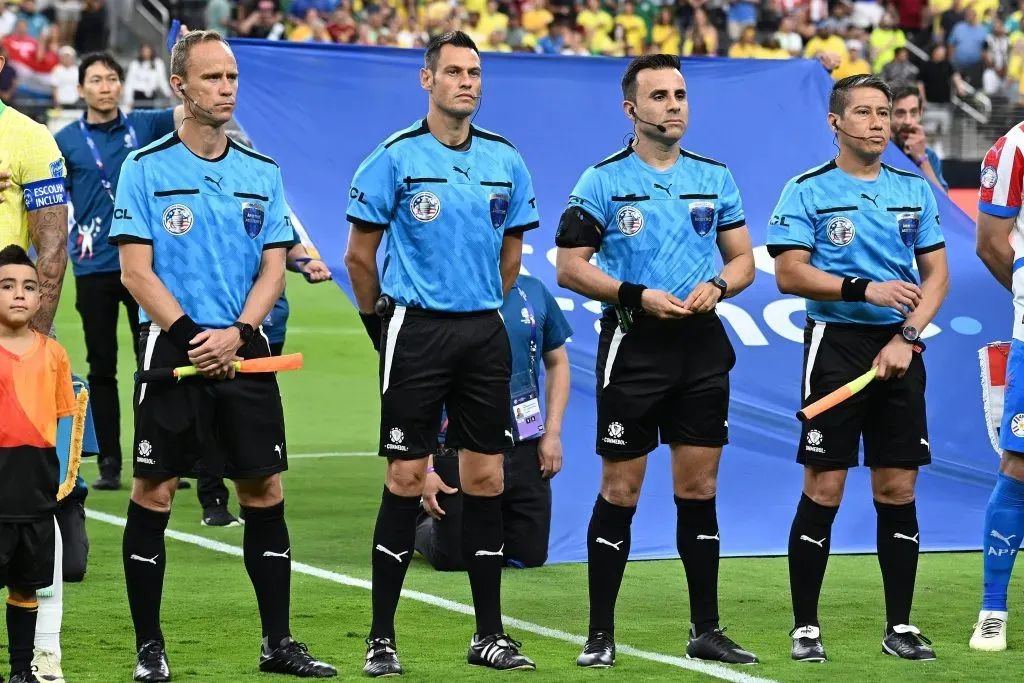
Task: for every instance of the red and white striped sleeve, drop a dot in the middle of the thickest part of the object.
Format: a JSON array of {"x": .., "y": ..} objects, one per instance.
[{"x": 1002, "y": 174}]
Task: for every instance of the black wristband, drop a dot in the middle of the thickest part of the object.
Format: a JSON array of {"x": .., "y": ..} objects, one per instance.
[
  {"x": 372, "y": 323},
  {"x": 183, "y": 331},
  {"x": 631, "y": 295},
  {"x": 855, "y": 288}
]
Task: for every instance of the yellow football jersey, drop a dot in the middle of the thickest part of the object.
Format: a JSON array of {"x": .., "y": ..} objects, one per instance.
[{"x": 30, "y": 153}]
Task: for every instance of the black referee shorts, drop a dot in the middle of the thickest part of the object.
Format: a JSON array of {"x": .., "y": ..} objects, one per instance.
[
  {"x": 890, "y": 414},
  {"x": 27, "y": 553},
  {"x": 663, "y": 376},
  {"x": 222, "y": 428},
  {"x": 431, "y": 360}
]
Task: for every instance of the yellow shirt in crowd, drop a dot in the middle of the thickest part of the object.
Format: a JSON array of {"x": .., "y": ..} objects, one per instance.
[
  {"x": 744, "y": 51},
  {"x": 832, "y": 44},
  {"x": 849, "y": 68},
  {"x": 773, "y": 53},
  {"x": 536, "y": 21},
  {"x": 666, "y": 38},
  {"x": 636, "y": 31},
  {"x": 883, "y": 43},
  {"x": 599, "y": 21}
]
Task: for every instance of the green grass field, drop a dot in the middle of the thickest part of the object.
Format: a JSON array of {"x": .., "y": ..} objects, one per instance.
[{"x": 209, "y": 611}]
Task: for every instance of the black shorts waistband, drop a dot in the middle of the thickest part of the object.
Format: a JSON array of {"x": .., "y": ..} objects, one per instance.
[
  {"x": 414, "y": 312},
  {"x": 643, "y": 319},
  {"x": 891, "y": 328}
]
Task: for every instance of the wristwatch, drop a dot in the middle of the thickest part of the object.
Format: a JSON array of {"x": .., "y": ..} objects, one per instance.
[
  {"x": 722, "y": 285},
  {"x": 245, "y": 331},
  {"x": 910, "y": 334}
]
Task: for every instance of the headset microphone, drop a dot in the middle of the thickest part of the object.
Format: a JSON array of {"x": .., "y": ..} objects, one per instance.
[
  {"x": 855, "y": 137},
  {"x": 193, "y": 103},
  {"x": 660, "y": 127}
]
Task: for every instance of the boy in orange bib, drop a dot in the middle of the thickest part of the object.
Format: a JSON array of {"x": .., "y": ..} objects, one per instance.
[{"x": 35, "y": 391}]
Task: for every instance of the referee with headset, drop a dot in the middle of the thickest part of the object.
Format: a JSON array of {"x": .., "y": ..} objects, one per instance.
[{"x": 846, "y": 236}]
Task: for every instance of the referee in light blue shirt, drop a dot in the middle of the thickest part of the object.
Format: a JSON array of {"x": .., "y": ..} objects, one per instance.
[
  {"x": 94, "y": 148},
  {"x": 201, "y": 231},
  {"x": 854, "y": 237},
  {"x": 454, "y": 201}
]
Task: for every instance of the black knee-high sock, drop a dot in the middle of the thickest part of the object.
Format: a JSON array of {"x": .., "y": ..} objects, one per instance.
[
  {"x": 608, "y": 539},
  {"x": 393, "y": 539},
  {"x": 810, "y": 538},
  {"x": 144, "y": 557},
  {"x": 898, "y": 548},
  {"x": 266, "y": 549},
  {"x": 698, "y": 544},
  {"x": 21, "y": 633},
  {"x": 482, "y": 552}
]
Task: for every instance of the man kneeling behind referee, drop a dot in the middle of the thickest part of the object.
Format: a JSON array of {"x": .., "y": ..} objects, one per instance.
[{"x": 535, "y": 324}]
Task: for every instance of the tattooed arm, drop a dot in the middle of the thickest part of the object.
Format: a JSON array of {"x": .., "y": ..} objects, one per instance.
[{"x": 48, "y": 229}]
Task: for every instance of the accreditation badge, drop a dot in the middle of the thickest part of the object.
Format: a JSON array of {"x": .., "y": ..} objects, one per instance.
[{"x": 526, "y": 406}]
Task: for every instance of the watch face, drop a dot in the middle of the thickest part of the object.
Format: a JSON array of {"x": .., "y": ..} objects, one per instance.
[{"x": 910, "y": 333}]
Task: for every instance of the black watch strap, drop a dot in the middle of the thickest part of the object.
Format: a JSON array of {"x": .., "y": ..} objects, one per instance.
[
  {"x": 723, "y": 287},
  {"x": 245, "y": 331}
]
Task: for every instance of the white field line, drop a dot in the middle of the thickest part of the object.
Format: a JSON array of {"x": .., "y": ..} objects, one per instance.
[{"x": 706, "y": 668}]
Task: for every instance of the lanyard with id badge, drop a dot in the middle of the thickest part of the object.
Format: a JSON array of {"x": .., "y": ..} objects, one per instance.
[
  {"x": 525, "y": 395},
  {"x": 104, "y": 180}
]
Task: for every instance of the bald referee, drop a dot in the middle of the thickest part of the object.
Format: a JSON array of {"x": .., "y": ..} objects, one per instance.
[
  {"x": 657, "y": 216},
  {"x": 199, "y": 221},
  {"x": 845, "y": 236}
]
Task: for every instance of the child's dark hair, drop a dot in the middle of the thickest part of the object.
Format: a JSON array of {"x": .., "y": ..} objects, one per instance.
[{"x": 14, "y": 255}]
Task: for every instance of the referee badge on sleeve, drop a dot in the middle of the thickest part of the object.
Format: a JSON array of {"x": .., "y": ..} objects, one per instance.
[
  {"x": 702, "y": 216},
  {"x": 499, "y": 209},
  {"x": 908, "y": 224},
  {"x": 252, "y": 217}
]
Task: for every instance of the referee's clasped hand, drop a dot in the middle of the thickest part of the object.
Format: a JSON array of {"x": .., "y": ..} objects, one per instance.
[
  {"x": 5, "y": 182},
  {"x": 663, "y": 305},
  {"x": 316, "y": 270},
  {"x": 903, "y": 296},
  {"x": 894, "y": 359},
  {"x": 703, "y": 298},
  {"x": 214, "y": 352}
]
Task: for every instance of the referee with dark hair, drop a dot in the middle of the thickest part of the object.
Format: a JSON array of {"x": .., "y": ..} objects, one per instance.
[
  {"x": 845, "y": 236},
  {"x": 655, "y": 215},
  {"x": 454, "y": 200}
]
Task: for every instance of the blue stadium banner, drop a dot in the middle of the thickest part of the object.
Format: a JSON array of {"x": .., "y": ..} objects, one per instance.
[{"x": 319, "y": 110}]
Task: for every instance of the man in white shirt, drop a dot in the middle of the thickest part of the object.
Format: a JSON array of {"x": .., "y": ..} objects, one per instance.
[{"x": 64, "y": 79}]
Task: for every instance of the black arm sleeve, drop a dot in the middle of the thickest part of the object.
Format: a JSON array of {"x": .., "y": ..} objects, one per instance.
[{"x": 577, "y": 228}]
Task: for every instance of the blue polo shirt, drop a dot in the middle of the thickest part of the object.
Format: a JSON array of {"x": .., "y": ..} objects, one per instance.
[{"x": 88, "y": 249}]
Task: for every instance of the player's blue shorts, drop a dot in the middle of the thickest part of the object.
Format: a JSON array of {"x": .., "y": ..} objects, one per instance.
[{"x": 1011, "y": 431}]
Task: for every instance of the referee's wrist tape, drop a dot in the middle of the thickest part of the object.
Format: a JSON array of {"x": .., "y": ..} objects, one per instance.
[
  {"x": 855, "y": 288},
  {"x": 183, "y": 331},
  {"x": 631, "y": 295}
]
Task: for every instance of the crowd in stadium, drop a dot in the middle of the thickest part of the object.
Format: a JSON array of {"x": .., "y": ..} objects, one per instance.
[
  {"x": 982, "y": 40},
  {"x": 978, "y": 41}
]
